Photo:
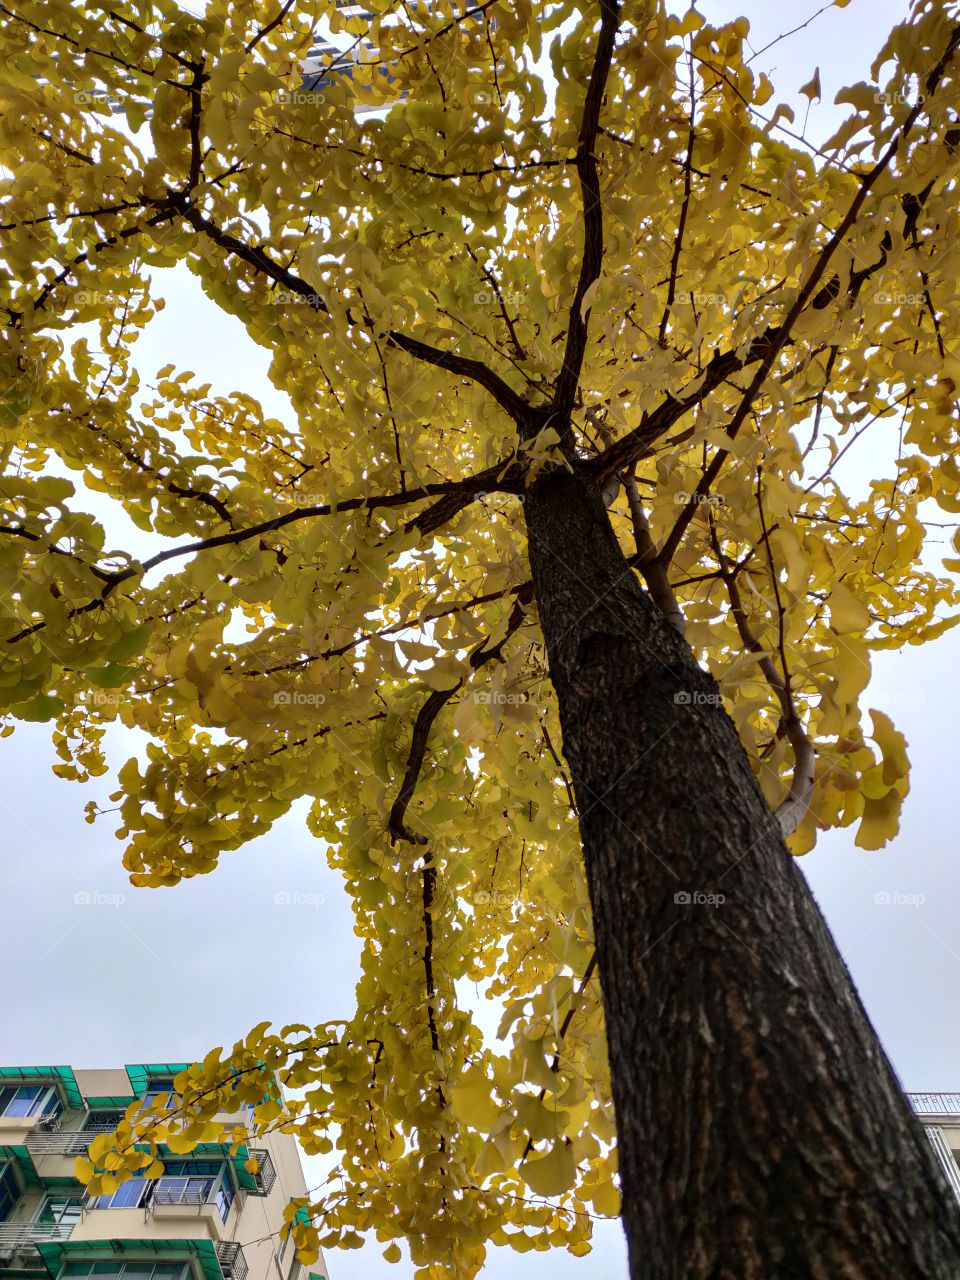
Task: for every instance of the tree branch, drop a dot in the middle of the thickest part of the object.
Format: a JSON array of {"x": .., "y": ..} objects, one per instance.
[
  {"x": 431, "y": 708},
  {"x": 576, "y": 344}
]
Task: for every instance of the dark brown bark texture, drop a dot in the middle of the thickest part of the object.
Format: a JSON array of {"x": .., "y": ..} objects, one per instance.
[{"x": 762, "y": 1132}]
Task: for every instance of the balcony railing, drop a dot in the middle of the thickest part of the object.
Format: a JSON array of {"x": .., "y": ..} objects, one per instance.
[
  {"x": 60, "y": 1143},
  {"x": 232, "y": 1262},
  {"x": 17, "y": 1239},
  {"x": 266, "y": 1174},
  {"x": 935, "y": 1104},
  {"x": 171, "y": 1191}
]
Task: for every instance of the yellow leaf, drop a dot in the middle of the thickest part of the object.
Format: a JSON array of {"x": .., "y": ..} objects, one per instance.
[
  {"x": 474, "y": 1105},
  {"x": 811, "y": 89},
  {"x": 880, "y": 821},
  {"x": 552, "y": 1174},
  {"x": 847, "y": 612},
  {"x": 893, "y": 747}
]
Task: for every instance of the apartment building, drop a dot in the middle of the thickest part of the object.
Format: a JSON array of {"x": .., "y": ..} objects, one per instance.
[
  {"x": 939, "y": 1113},
  {"x": 206, "y": 1218}
]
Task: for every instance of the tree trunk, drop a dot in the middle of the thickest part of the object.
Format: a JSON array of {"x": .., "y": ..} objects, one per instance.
[{"x": 762, "y": 1133}]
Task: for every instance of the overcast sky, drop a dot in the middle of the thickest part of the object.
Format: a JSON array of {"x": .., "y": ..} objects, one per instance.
[{"x": 106, "y": 974}]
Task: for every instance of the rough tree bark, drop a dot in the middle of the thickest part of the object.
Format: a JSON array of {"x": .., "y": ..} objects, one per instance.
[{"x": 762, "y": 1132}]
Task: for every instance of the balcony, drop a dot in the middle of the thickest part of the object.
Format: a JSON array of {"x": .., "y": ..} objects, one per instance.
[
  {"x": 266, "y": 1174},
  {"x": 936, "y": 1106},
  {"x": 18, "y": 1240},
  {"x": 57, "y": 1142},
  {"x": 232, "y": 1262}
]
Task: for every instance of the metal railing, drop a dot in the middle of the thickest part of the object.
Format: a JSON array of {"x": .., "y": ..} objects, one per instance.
[
  {"x": 935, "y": 1104},
  {"x": 17, "y": 1239},
  {"x": 266, "y": 1174},
  {"x": 62, "y": 1143},
  {"x": 15, "y": 1233},
  {"x": 167, "y": 1191},
  {"x": 944, "y": 1155},
  {"x": 232, "y": 1262}
]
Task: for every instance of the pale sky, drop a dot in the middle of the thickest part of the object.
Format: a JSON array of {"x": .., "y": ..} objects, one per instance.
[{"x": 128, "y": 975}]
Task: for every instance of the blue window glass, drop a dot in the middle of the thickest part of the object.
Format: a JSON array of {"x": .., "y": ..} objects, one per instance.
[
  {"x": 128, "y": 1195},
  {"x": 30, "y": 1100},
  {"x": 225, "y": 1196},
  {"x": 23, "y": 1101}
]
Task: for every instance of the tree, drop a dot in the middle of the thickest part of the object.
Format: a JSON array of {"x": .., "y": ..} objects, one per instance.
[{"x": 546, "y": 593}]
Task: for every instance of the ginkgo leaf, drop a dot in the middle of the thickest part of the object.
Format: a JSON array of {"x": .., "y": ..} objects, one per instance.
[
  {"x": 327, "y": 600},
  {"x": 551, "y": 1174},
  {"x": 880, "y": 821},
  {"x": 847, "y": 612},
  {"x": 812, "y": 89}
]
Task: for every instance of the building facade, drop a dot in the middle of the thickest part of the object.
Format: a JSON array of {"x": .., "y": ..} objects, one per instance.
[
  {"x": 206, "y": 1218},
  {"x": 939, "y": 1113}
]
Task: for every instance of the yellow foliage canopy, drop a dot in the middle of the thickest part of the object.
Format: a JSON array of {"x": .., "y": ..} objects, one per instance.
[{"x": 338, "y": 604}]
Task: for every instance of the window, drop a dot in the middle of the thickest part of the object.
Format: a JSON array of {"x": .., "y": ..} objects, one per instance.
[
  {"x": 65, "y": 1211},
  {"x": 146, "y": 1270},
  {"x": 183, "y": 1182},
  {"x": 30, "y": 1100},
  {"x": 196, "y": 1182},
  {"x": 160, "y": 1087},
  {"x": 9, "y": 1191},
  {"x": 101, "y": 1120},
  {"x": 128, "y": 1195}
]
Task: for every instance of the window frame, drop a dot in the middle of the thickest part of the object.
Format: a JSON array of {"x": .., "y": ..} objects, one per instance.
[
  {"x": 47, "y": 1101},
  {"x": 145, "y": 1268},
  {"x": 144, "y": 1184},
  {"x": 52, "y": 1198},
  {"x": 11, "y": 1188}
]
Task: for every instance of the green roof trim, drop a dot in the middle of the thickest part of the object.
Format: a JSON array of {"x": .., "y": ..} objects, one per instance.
[
  {"x": 141, "y": 1073},
  {"x": 21, "y": 1157},
  {"x": 62, "y": 1076},
  {"x": 118, "y": 1102},
  {"x": 55, "y": 1252}
]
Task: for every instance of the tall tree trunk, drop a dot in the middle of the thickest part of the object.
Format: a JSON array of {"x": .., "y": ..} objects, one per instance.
[{"x": 762, "y": 1133}]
